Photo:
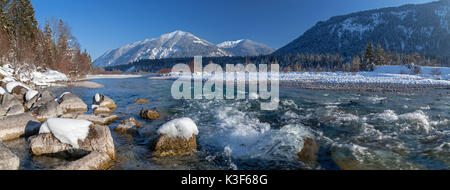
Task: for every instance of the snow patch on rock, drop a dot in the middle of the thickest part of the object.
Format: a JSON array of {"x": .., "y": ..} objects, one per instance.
[
  {"x": 68, "y": 131},
  {"x": 182, "y": 127}
]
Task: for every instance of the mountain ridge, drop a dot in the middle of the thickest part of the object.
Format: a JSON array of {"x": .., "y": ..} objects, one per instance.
[
  {"x": 411, "y": 28},
  {"x": 176, "y": 44}
]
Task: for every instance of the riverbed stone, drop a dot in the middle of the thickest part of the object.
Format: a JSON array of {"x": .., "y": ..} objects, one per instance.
[
  {"x": 102, "y": 119},
  {"x": 15, "y": 110},
  {"x": 101, "y": 110},
  {"x": 3, "y": 84},
  {"x": 31, "y": 103},
  {"x": 149, "y": 114},
  {"x": 50, "y": 109},
  {"x": 15, "y": 126},
  {"x": 93, "y": 161},
  {"x": 69, "y": 102},
  {"x": 9, "y": 100},
  {"x": 309, "y": 152},
  {"x": 8, "y": 160},
  {"x": 3, "y": 111},
  {"x": 104, "y": 101},
  {"x": 141, "y": 101},
  {"x": 173, "y": 146},
  {"x": 99, "y": 139},
  {"x": 19, "y": 91},
  {"x": 126, "y": 126}
]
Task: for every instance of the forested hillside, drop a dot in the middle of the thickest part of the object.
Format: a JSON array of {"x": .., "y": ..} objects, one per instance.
[{"x": 25, "y": 46}]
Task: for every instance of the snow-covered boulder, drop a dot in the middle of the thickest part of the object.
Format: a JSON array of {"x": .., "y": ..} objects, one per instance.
[
  {"x": 8, "y": 160},
  {"x": 69, "y": 102},
  {"x": 12, "y": 85},
  {"x": 15, "y": 126},
  {"x": 48, "y": 77},
  {"x": 72, "y": 138},
  {"x": 101, "y": 100},
  {"x": 31, "y": 94},
  {"x": 129, "y": 125},
  {"x": 149, "y": 114},
  {"x": 92, "y": 161},
  {"x": 50, "y": 109},
  {"x": 176, "y": 137},
  {"x": 43, "y": 98},
  {"x": 15, "y": 110},
  {"x": 308, "y": 154},
  {"x": 68, "y": 131}
]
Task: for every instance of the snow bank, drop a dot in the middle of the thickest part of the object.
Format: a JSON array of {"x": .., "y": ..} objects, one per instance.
[
  {"x": 11, "y": 85},
  {"x": 31, "y": 94},
  {"x": 38, "y": 78},
  {"x": 68, "y": 131},
  {"x": 48, "y": 77},
  {"x": 391, "y": 74},
  {"x": 182, "y": 127}
]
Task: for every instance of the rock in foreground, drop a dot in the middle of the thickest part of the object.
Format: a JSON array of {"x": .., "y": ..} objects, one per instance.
[
  {"x": 177, "y": 138},
  {"x": 173, "y": 146},
  {"x": 8, "y": 160},
  {"x": 92, "y": 161},
  {"x": 98, "y": 139},
  {"x": 129, "y": 125},
  {"x": 15, "y": 126},
  {"x": 69, "y": 102}
]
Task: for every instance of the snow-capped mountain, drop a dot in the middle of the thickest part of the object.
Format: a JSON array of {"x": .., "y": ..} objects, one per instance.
[
  {"x": 245, "y": 48},
  {"x": 174, "y": 45},
  {"x": 422, "y": 28}
]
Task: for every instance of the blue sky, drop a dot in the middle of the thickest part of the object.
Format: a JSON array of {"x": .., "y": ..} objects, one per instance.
[{"x": 100, "y": 25}]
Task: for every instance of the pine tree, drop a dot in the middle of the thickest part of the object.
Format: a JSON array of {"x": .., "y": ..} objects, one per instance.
[
  {"x": 380, "y": 56},
  {"x": 369, "y": 57},
  {"x": 49, "y": 47}
]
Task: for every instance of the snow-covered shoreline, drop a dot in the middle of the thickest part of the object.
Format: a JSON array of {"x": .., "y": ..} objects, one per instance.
[
  {"x": 110, "y": 76},
  {"x": 381, "y": 75},
  {"x": 34, "y": 77}
]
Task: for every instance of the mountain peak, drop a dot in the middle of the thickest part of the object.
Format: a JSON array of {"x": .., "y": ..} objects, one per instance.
[{"x": 179, "y": 44}]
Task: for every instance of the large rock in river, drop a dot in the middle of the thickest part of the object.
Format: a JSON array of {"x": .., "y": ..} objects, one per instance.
[
  {"x": 308, "y": 154},
  {"x": 149, "y": 114},
  {"x": 130, "y": 125},
  {"x": 15, "y": 126},
  {"x": 103, "y": 101},
  {"x": 176, "y": 138},
  {"x": 9, "y": 100},
  {"x": 48, "y": 110},
  {"x": 99, "y": 139},
  {"x": 8, "y": 160},
  {"x": 69, "y": 102}
]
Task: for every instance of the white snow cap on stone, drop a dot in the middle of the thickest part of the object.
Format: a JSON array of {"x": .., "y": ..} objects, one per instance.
[
  {"x": 31, "y": 94},
  {"x": 68, "y": 131},
  {"x": 10, "y": 86},
  {"x": 182, "y": 127},
  {"x": 97, "y": 97}
]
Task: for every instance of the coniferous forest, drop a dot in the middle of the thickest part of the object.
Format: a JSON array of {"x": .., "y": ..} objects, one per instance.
[{"x": 27, "y": 46}]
